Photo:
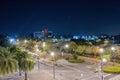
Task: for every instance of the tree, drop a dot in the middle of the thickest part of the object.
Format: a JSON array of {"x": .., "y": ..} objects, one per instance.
[
  {"x": 30, "y": 45},
  {"x": 72, "y": 46},
  {"x": 59, "y": 45},
  {"x": 4, "y": 40},
  {"x": 88, "y": 50},
  {"x": 80, "y": 49},
  {"x": 26, "y": 63},
  {"x": 75, "y": 56},
  {"x": 25, "y": 60},
  {"x": 95, "y": 50},
  {"x": 7, "y": 63},
  {"x": 17, "y": 52},
  {"x": 47, "y": 48}
]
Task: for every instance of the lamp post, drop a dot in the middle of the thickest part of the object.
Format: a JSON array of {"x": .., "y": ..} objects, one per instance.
[
  {"x": 102, "y": 74},
  {"x": 113, "y": 50},
  {"x": 44, "y": 48},
  {"x": 25, "y": 41},
  {"x": 43, "y": 44},
  {"x": 38, "y": 62},
  {"x": 66, "y": 46},
  {"x": 53, "y": 55},
  {"x": 101, "y": 65},
  {"x": 17, "y": 41},
  {"x": 37, "y": 56},
  {"x": 36, "y": 46}
]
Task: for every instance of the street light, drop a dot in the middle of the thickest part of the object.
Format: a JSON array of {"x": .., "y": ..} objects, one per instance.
[
  {"x": 36, "y": 46},
  {"x": 37, "y": 56},
  {"x": 25, "y": 41},
  {"x": 101, "y": 50},
  {"x": 38, "y": 62},
  {"x": 44, "y": 44},
  {"x": 66, "y": 45},
  {"x": 103, "y": 60},
  {"x": 37, "y": 50},
  {"x": 17, "y": 41},
  {"x": 101, "y": 64},
  {"x": 113, "y": 50},
  {"x": 53, "y": 55}
]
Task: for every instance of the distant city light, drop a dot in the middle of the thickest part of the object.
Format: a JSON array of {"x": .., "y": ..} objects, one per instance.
[
  {"x": 12, "y": 41},
  {"x": 76, "y": 37}
]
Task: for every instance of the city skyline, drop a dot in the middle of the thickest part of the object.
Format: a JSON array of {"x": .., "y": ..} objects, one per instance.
[{"x": 62, "y": 17}]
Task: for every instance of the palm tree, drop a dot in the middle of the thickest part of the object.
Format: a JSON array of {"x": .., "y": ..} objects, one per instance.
[
  {"x": 17, "y": 52},
  {"x": 26, "y": 63},
  {"x": 7, "y": 63}
]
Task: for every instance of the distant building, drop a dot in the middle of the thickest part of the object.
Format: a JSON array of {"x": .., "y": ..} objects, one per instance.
[
  {"x": 38, "y": 35},
  {"x": 43, "y": 34},
  {"x": 92, "y": 37},
  {"x": 63, "y": 38},
  {"x": 76, "y": 37}
]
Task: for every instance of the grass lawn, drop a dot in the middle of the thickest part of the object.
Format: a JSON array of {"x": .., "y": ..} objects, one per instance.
[
  {"x": 112, "y": 69},
  {"x": 76, "y": 60}
]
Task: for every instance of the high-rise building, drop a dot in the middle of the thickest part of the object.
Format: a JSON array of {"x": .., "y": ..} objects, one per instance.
[{"x": 43, "y": 34}]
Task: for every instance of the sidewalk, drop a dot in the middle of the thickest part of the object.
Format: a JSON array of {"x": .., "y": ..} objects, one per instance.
[{"x": 39, "y": 75}]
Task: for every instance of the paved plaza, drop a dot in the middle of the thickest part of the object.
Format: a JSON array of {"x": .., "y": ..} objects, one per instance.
[
  {"x": 63, "y": 71},
  {"x": 70, "y": 71}
]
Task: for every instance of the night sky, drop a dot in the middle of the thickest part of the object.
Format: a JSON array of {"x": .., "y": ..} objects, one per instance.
[{"x": 60, "y": 16}]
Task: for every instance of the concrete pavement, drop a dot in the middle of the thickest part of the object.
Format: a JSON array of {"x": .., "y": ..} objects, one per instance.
[{"x": 39, "y": 75}]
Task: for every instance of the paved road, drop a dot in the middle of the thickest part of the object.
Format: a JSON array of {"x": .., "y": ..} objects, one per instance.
[
  {"x": 115, "y": 77},
  {"x": 81, "y": 71},
  {"x": 72, "y": 71}
]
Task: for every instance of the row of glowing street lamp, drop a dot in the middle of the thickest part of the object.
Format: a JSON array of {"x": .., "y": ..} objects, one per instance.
[
  {"x": 53, "y": 55},
  {"x": 103, "y": 60}
]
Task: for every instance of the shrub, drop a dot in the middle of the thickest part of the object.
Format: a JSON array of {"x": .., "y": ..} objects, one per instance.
[
  {"x": 118, "y": 61},
  {"x": 51, "y": 59},
  {"x": 75, "y": 56},
  {"x": 56, "y": 64},
  {"x": 76, "y": 60},
  {"x": 67, "y": 58},
  {"x": 112, "y": 69}
]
